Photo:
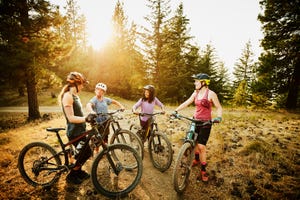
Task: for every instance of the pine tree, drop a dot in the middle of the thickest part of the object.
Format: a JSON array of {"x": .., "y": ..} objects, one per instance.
[
  {"x": 73, "y": 32},
  {"x": 152, "y": 38},
  {"x": 120, "y": 62},
  {"x": 222, "y": 84},
  {"x": 244, "y": 67},
  {"x": 28, "y": 41},
  {"x": 175, "y": 73},
  {"x": 280, "y": 63},
  {"x": 244, "y": 71}
]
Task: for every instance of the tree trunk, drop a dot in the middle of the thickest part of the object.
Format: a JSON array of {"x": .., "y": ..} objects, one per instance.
[
  {"x": 21, "y": 91},
  {"x": 292, "y": 99},
  {"x": 33, "y": 105}
]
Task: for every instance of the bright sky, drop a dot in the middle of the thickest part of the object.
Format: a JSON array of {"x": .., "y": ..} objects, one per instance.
[{"x": 225, "y": 24}]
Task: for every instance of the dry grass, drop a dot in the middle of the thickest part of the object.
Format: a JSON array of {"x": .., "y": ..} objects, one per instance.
[{"x": 251, "y": 155}]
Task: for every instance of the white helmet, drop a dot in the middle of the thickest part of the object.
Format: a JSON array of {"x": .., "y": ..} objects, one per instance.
[{"x": 101, "y": 86}]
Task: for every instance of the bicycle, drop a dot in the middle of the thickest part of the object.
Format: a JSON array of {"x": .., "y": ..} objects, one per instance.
[
  {"x": 159, "y": 146},
  {"x": 41, "y": 165},
  {"x": 120, "y": 135},
  {"x": 183, "y": 163}
]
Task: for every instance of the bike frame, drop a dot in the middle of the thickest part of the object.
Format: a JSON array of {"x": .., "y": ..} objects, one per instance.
[
  {"x": 153, "y": 125},
  {"x": 90, "y": 133},
  {"x": 191, "y": 135}
]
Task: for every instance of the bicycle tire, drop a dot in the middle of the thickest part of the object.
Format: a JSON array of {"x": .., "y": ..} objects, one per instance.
[
  {"x": 182, "y": 167},
  {"x": 110, "y": 184},
  {"x": 160, "y": 150},
  {"x": 128, "y": 137},
  {"x": 31, "y": 160}
]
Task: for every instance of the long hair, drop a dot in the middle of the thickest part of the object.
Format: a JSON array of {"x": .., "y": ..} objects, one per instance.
[{"x": 151, "y": 96}]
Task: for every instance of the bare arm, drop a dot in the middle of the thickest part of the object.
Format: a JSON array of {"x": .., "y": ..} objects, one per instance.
[
  {"x": 187, "y": 102},
  {"x": 217, "y": 104},
  {"x": 67, "y": 102},
  {"x": 118, "y": 104},
  {"x": 90, "y": 107}
]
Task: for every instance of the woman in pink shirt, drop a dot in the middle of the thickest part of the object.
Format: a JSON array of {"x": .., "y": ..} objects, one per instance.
[
  {"x": 203, "y": 98},
  {"x": 147, "y": 104}
]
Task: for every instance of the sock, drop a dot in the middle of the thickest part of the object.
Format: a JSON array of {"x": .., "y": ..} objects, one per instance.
[
  {"x": 203, "y": 166},
  {"x": 197, "y": 157}
]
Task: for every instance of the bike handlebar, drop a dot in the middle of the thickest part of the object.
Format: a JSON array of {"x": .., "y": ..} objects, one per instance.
[
  {"x": 111, "y": 113},
  {"x": 152, "y": 114},
  {"x": 92, "y": 117},
  {"x": 179, "y": 116}
]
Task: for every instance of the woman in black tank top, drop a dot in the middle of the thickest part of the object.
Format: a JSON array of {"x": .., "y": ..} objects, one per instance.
[{"x": 75, "y": 118}]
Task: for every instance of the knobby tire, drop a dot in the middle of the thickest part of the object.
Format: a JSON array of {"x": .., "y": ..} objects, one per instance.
[
  {"x": 34, "y": 166},
  {"x": 106, "y": 181},
  {"x": 160, "y": 150},
  {"x": 182, "y": 167},
  {"x": 127, "y": 137}
]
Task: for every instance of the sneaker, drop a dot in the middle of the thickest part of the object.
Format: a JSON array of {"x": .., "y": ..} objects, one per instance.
[
  {"x": 204, "y": 176},
  {"x": 83, "y": 175},
  {"x": 73, "y": 178},
  {"x": 196, "y": 162}
]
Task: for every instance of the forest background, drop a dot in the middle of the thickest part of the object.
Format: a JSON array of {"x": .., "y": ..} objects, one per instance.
[{"x": 40, "y": 45}]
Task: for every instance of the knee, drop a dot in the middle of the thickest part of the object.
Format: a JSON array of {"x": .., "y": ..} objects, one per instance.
[{"x": 201, "y": 148}]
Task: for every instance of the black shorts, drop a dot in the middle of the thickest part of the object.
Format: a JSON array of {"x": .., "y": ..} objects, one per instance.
[{"x": 203, "y": 134}]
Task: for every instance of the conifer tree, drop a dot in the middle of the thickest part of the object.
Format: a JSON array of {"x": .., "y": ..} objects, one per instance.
[
  {"x": 120, "y": 60},
  {"x": 279, "y": 71},
  {"x": 245, "y": 66},
  {"x": 27, "y": 33},
  {"x": 153, "y": 39},
  {"x": 175, "y": 73},
  {"x": 244, "y": 73}
]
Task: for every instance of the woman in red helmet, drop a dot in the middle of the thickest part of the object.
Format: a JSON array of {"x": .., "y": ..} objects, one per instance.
[
  {"x": 203, "y": 98},
  {"x": 73, "y": 112}
]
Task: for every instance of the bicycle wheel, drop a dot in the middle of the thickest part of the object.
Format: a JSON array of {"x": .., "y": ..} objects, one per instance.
[
  {"x": 127, "y": 137},
  {"x": 109, "y": 175},
  {"x": 160, "y": 150},
  {"x": 182, "y": 167},
  {"x": 38, "y": 163}
]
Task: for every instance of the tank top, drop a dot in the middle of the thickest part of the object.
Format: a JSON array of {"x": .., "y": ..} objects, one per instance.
[
  {"x": 73, "y": 129},
  {"x": 203, "y": 107}
]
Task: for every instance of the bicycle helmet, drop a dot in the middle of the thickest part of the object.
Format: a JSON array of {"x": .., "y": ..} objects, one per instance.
[
  {"x": 76, "y": 78},
  {"x": 150, "y": 88},
  {"x": 202, "y": 77},
  {"x": 101, "y": 86}
]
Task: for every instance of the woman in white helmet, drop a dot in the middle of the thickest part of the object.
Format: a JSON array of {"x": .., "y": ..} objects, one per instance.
[{"x": 99, "y": 103}]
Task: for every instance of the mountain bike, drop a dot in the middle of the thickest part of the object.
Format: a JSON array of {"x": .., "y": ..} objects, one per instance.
[
  {"x": 111, "y": 173},
  {"x": 183, "y": 163},
  {"x": 159, "y": 146},
  {"x": 119, "y": 134}
]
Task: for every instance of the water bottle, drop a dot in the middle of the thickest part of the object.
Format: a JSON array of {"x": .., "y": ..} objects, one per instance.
[
  {"x": 189, "y": 135},
  {"x": 191, "y": 131},
  {"x": 79, "y": 147}
]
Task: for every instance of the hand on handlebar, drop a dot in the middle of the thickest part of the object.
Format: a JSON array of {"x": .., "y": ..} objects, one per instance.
[
  {"x": 90, "y": 118},
  {"x": 217, "y": 120},
  {"x": 174, "y": 114}
]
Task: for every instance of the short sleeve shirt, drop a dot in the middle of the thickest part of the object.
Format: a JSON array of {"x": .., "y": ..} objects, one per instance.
[{"x": 101, "y": 106}]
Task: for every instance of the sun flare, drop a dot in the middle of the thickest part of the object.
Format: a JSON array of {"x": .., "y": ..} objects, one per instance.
[{"x": 99, "y": 37}]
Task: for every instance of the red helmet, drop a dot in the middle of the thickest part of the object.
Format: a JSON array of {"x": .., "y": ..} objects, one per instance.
[{"x": 76, "y": 77}]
